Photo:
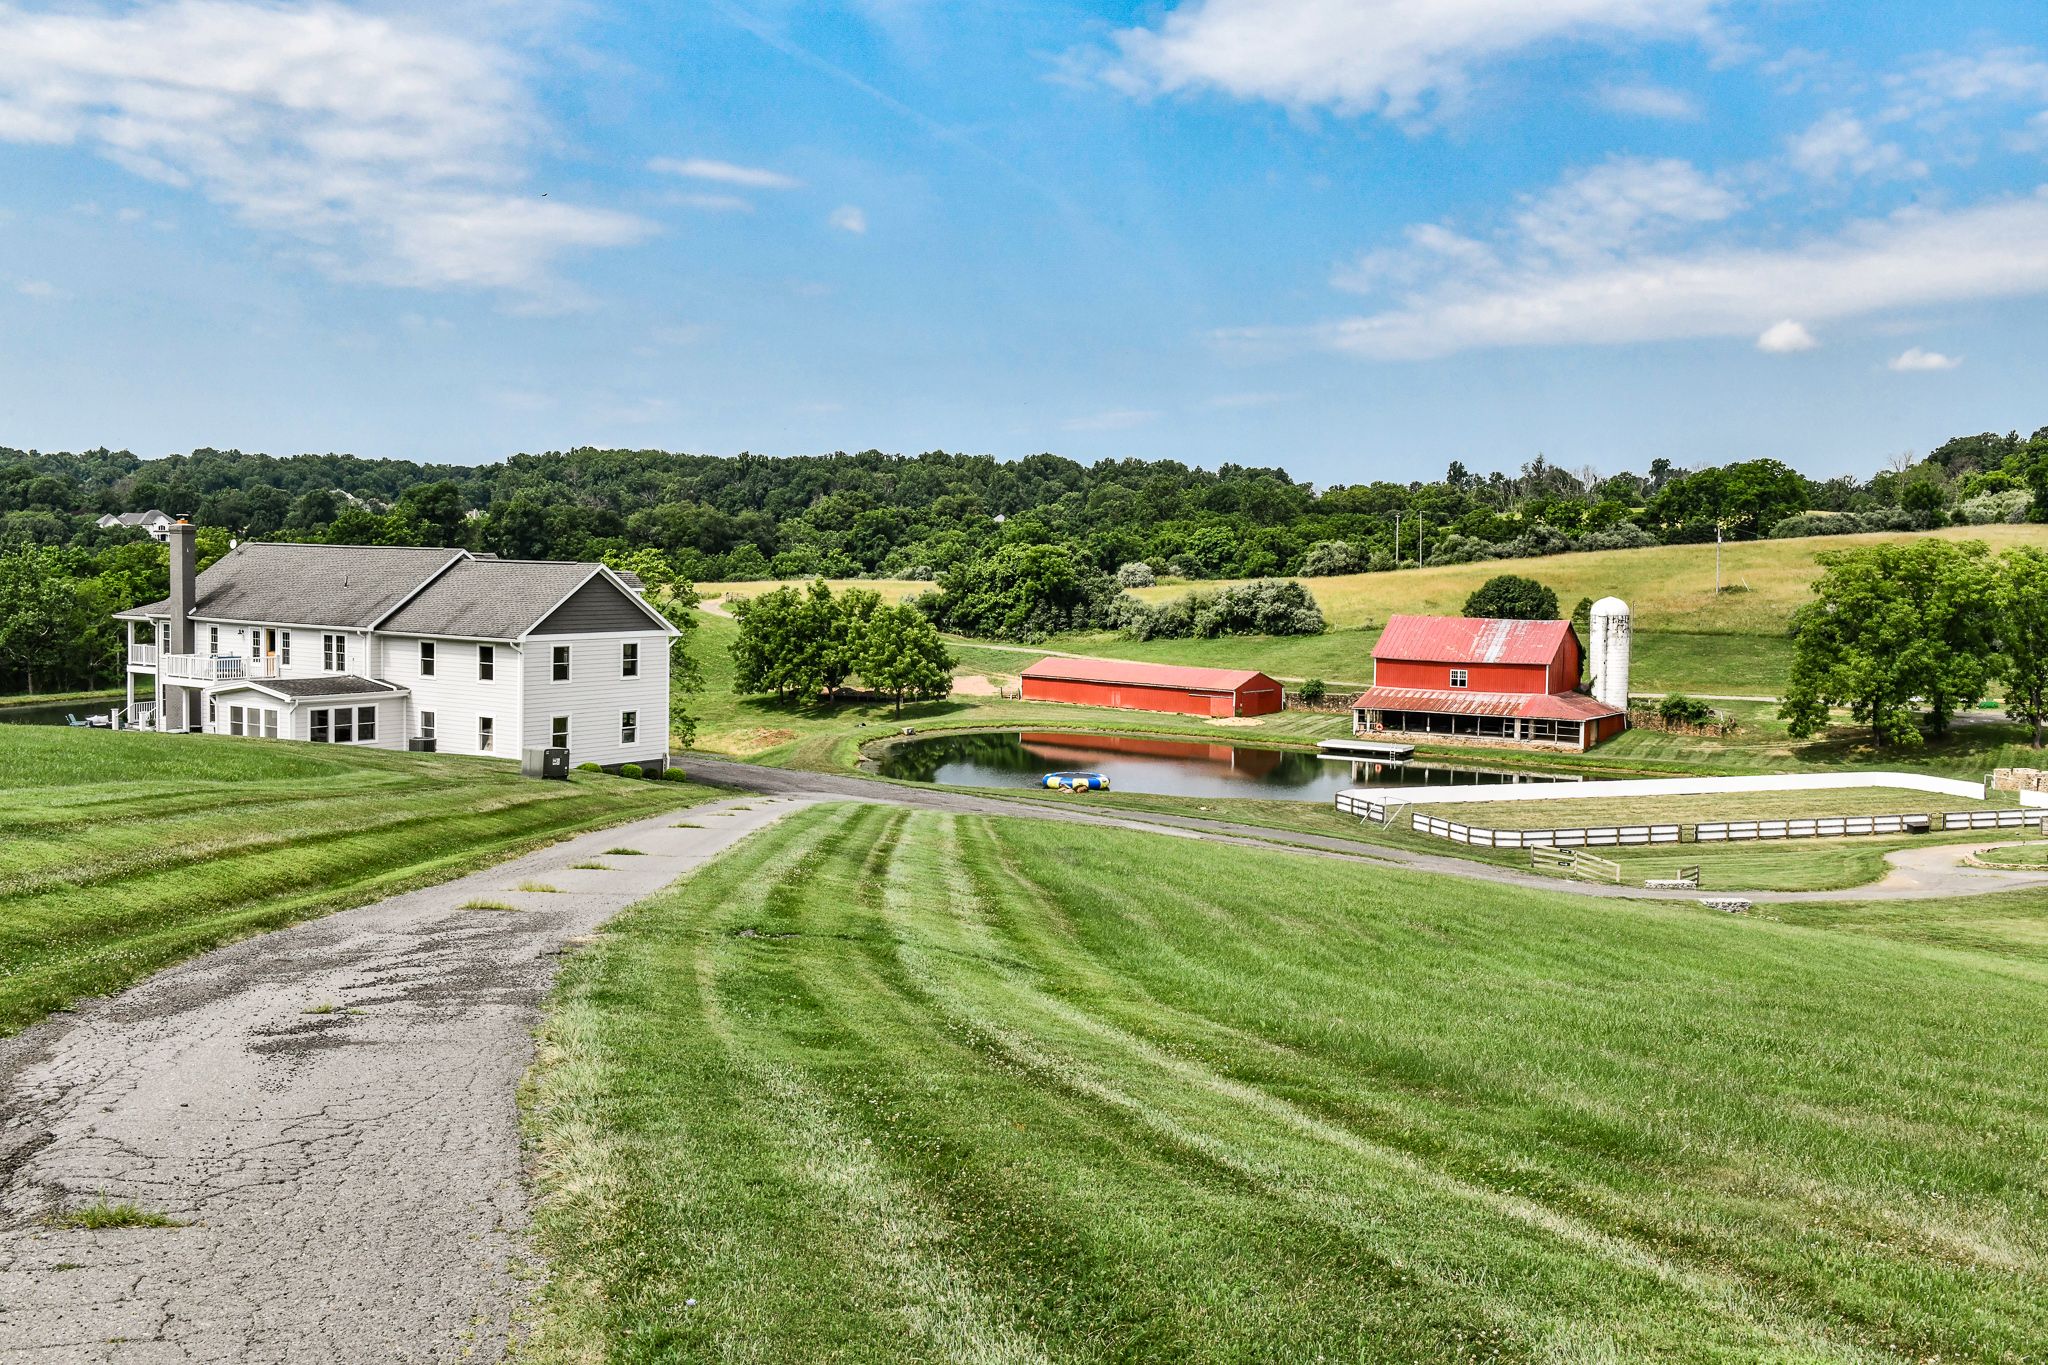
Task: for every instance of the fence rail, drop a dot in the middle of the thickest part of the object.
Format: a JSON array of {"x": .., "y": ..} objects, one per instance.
[
  {"x": 1827, "y": 827},
  {"x": 2017, "y": 818}
]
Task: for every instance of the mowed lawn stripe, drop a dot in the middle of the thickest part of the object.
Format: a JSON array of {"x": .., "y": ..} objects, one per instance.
[
  {"x": 1133, "y": 1098},
  {"x": 226, "y": 837}
]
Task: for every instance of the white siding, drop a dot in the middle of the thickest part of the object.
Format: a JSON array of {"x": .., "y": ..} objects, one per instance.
[
  {"x": 455, "y": 694},
  {"x": 390, "y": 719},
  {"x": 596, "y": 694}
]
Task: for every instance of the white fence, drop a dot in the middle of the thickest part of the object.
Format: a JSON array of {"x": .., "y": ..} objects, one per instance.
[
  {"x": 1993, "y": 819},
  {"x": 1834, "y": 827},
  {"x": 1651, "y": 787},
  {"x": 1706, "y": 832},
  {"x": 1546, "y": 838}
]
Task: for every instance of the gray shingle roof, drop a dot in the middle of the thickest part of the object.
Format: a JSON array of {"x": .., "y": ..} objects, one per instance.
[
  {"x": 345, "y": 685},
  {"x": 309, "y": 585},
  {"x": 489, "y": 599}
]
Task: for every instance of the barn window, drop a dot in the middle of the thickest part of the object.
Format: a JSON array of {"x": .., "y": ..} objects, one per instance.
[{"x": 1457, "y": 677}]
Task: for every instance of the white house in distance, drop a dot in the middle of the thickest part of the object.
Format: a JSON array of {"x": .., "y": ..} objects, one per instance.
[
  {"x": 381, "y": 645},
  {"x": 158, "y": 524}
]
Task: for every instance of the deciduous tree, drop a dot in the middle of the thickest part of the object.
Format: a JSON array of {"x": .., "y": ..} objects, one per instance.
[{"x": 901, "y": 655}]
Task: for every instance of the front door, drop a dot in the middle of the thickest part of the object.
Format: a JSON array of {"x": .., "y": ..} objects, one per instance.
[{"x": 270, "y": 651}]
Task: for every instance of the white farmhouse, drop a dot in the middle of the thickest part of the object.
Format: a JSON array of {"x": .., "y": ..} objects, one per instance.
[
  {"x": 382, "y": 645},
  {"x": 157, "y": 523}
]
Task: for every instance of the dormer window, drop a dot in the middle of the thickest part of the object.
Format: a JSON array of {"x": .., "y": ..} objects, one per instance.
[{"x": 1457, "y": 677}]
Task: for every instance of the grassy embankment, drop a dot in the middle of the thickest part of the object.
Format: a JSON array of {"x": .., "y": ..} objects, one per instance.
[
  {"x": 1689, "y": 638},
  {"x": 878, "y": 1086},
  {"x": 121, "y": 852}
]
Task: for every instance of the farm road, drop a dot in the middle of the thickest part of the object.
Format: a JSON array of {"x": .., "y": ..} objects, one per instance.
[
  {"x": 331, "y": 1106},
  {"x": 1916, "y": 874}
]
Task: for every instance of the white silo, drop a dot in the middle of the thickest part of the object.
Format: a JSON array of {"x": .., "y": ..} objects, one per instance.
[{"x": 1608, "y": 652}]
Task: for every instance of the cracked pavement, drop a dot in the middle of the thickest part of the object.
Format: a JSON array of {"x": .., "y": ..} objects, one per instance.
[{"x": 330, "y": 1109}]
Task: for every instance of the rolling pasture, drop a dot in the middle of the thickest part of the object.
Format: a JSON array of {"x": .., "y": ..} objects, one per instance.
[
  {"x": 883, "y": 1086},
  {"x": 122, "y": 852},
  {"x": 1689, "y": 637}
]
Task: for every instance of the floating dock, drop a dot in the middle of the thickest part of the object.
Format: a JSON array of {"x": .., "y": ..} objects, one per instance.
[{"x": 1366, "y": 748}]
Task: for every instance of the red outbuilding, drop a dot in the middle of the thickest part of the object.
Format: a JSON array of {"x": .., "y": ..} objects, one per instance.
[
  {"x": 1506, "y": 682},
  {"x": 1152, "y": 687}
]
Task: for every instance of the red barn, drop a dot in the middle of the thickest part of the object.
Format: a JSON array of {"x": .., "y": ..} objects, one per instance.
[
  {"x": 1152, "y": 687},
  {"x": 1506, "y": 682}
]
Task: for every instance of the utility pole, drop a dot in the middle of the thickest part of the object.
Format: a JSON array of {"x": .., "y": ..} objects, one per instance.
[
  {"x": 1717, "y": 559},
  {"x": 1397, "y": 539},
  {"x": 1420, "y": 522}
]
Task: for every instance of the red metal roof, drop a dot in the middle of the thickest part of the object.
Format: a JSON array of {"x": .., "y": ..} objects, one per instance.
[
  {"x": 1528, "y": 706},
  {"x": 1126, "y": 673},
  {"x": 1466, "y": 640}
]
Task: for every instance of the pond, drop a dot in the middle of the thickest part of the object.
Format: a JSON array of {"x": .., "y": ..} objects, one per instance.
[
  {"x": 53, "y": 713},
  {"x": 1161, "y": 767}
]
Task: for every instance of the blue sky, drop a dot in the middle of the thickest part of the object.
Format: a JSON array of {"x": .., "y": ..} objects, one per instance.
[{"x": 1357, "y": 238}]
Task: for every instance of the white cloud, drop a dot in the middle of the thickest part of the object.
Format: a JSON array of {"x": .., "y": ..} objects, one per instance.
[
  {"x": 1120, "y": 419},
  {"x": 1786, "y": 338},
  {"x": 1621, "y": 202},
  {"x": 1944, "y": 79},
  {"x": 1913, "y": 259},
  {"x": 724, "y": 173},
  {"x": 847, "y": 218},
  {"x": 1361, "y": 56},
  {"x": 715, "y": 203},
  {"x": 1839, "y": 144},
  {"x": 1225, "y": 402},
  {"x": 1913, "y": 360},
  {"x": 36, "y": 289},
  {"x": 1650, "y": 101},
  {"x": 393, "y": 151}
]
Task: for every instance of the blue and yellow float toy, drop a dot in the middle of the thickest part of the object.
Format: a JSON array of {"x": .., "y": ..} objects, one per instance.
[{"x": 1077, "y": 782}]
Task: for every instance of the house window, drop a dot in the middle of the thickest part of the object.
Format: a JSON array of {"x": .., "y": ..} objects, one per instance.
[
  {"x": 629, "y": 661},
  {"x": 235, "y": 714},
  {"x": 213, "y": 639},
  {"x": 560, "y": 730},
  {"x": 486, "y": 662},
  {"x": 344, "y": 725},
  {"x": 269, "y": 723},
  {"x": 426, "y": 725},
  {"x": 561, "y": 664},
  {"x": 485, "y": 733},
  {"x": 366, "y": 724},
  {"x": 284, "y": 648},
  {"x": 1457, "y": 677},
  {"x": 319, "y": 733},
  {"x": 212, "y": 711},
  {"x": 629, "y": 727},
  {"x": 334, "y": 653},
  {"x": 426, "y": 658}
]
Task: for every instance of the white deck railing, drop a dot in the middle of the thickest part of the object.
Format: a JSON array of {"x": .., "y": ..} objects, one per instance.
[
  {"x": 142, "y": 656},
  {"x": 203, "y": 668}
]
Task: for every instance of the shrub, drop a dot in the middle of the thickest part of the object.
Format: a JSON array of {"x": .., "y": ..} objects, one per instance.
[
  {"x": 630, "y": 770},
  {"x": 1987, "y": 509},
  {"x": 1136, "y": 574},
  {"x": 1267, "y": 606},
  {"x": 1678, "y": 709},
  {"x": 674, "y": 775},
  {"x": 1328, "y": 557},
  {"x": 588, "y": 768},
  {"x": 1624, "y": 535},
  {"x": 1313, "y": 690},
  {"x": 1510, "y": 597}
]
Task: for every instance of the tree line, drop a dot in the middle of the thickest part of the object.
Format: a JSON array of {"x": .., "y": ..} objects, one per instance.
[{"x": 750, "y": 517}]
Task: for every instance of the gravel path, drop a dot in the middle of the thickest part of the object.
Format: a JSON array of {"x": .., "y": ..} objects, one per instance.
[{"x": 331, "y": 1106}]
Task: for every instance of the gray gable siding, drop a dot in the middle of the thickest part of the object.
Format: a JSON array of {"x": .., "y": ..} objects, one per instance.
[{"x": 599, "y": 606}]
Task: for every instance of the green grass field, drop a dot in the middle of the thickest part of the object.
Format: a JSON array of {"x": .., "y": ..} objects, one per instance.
[
  {"x": 880, "y": 1086},
  {"x": 121, "y": 853}
]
